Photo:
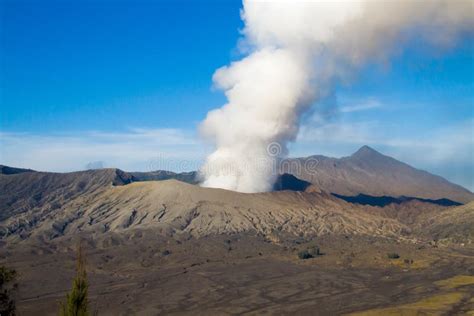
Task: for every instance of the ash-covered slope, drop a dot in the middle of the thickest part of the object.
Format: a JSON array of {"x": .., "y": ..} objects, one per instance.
[
  {"x": 50, "y": 205},
  {"x": 159, "y": 175},
  {"x": 372, "y": 173},
  {"x": 11, "y": 170},
  {"x": 172, "y": 207},
  {"x": 451, "y": 225},
  {"x": 28, "y": 191}
]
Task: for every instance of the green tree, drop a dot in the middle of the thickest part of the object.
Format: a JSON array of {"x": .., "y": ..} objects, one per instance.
[
  {"x": 76, "y": 300},
  {"x": 8, "y": 289}
]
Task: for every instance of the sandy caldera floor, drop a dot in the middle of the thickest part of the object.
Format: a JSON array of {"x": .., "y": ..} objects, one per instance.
[{"x": 142, "y": 273}]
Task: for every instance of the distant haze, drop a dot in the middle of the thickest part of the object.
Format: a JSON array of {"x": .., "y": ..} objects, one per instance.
[{"x": 298, "y": 50}]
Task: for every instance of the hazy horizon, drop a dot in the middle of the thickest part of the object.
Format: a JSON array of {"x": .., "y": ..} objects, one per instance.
[{"x": 73, "y": 93}]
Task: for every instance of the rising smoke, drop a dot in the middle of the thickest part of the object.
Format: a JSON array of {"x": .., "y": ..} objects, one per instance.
[{"x": 298, "y": 51}]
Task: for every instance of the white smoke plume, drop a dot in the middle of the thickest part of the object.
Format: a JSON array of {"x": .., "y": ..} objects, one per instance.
[{"x": 298, "y": 50}]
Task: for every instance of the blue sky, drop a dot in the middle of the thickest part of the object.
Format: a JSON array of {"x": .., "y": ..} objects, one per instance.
[{"x": 127, "y": 83}]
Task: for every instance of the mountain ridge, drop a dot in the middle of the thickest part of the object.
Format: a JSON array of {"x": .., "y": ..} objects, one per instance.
[
  {"x": 370, "y": 172},
  {"x": 44, "y": 206},
  {"x": 365, "y": 172}
]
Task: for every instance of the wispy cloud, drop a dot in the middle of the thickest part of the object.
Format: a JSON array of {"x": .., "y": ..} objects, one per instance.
[
  {"x": 134, "y": 149},
  {"x": 360, "y": 105}
]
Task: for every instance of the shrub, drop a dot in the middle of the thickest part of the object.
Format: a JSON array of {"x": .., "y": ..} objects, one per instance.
[
  {"x": 76, "y": 300},
  {"x": 8, "y": 289},
  {"x": 304, "y": 254},
  {"x": 310, "y": 253},
  {"x": 393, "y": 255}
]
